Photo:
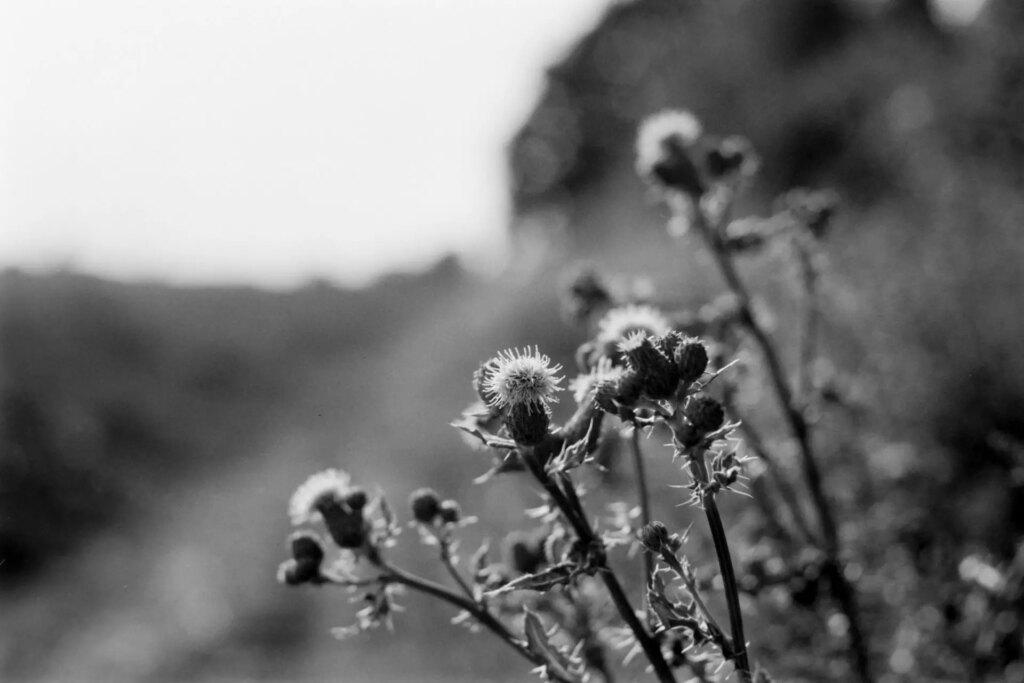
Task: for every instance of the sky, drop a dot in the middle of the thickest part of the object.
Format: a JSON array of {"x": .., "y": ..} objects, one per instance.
[{"x": 264, "y": 142}]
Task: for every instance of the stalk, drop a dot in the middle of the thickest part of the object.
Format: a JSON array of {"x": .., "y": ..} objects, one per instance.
[
  {"x": 645, "y": 503},
  {"x": 842, "y": 591},
  {"x": 730, "y": 586},
  {"x": 570, "y": 507}
]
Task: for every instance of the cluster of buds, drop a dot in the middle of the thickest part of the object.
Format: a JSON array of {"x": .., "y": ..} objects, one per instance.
[
  {"x": 674, "y": 154},
  {"x": 330, "y": 497},
  {"x": 428, "y": 509},
  {"x": 655, "y": 538},
  {"x": 307, "y": 557}
]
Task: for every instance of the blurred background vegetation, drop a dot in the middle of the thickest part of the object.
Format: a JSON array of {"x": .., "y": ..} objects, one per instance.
[{"x": 150, "y": 436}]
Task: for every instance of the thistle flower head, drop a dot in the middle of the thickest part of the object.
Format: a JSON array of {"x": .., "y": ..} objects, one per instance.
[
  {"x": 523, "y": 377},
  {"x": 678, "y": 127},
  {"x": 663, "y": 151},
  {"x": 603, "y": 372},
  {"x": 619, "y": 323},
  {"x": 331, "y": 485}
]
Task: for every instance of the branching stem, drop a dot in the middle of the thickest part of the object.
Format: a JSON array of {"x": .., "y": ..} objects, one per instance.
[
  {"x": 569, "y": 505},
  {"x": 842, "y": 590}
]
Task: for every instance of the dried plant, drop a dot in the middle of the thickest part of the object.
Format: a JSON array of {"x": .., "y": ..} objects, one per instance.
[{"x": 554, "y": 598}]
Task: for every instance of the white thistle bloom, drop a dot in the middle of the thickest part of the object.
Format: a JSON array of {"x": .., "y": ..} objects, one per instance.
[
  {"x": 322, "y": 486},
  {"x": 674, "y": 125},
  {"x": 523, "y": 377},
  {"x": 619, "y": 323}
]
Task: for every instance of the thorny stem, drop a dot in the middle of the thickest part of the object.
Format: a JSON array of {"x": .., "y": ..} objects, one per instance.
[
  {"x": 691, "y": 586},
  {"x": 573, "y": 511},
  {"x": 730, "y": 587},
  {"x": 645, "y": 503},
  {"x": 841, "y": 588}
]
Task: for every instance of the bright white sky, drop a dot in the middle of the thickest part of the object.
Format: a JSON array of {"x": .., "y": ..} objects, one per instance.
[{"x": 264, "y": 141}]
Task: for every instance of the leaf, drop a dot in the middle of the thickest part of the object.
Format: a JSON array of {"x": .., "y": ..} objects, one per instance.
[
  {"x": 557, "y": 665},
  {"x": 558, "y": 575},
  {"x": 571, "y": 456},
  {"x": 487, "y": 438}
]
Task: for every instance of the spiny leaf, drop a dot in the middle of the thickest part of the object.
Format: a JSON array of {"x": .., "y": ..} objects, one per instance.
[
  {"x": 558, "y": 575},
  {"x": 557, "y": 665},
  {"x": 487, "y": 438}
]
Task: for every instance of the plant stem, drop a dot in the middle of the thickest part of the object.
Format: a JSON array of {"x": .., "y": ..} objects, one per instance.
[
  {"x": 730, "y": 587},
  {"x": 843, "y": 592},
  {"x": 446, "y": 560},
  {"x": 645, "y": 503},
  {"x": 573, "y": 511},
  {"x": 809, "y": 330},
  {"x": 481, "y": 614},
  {"x": 753, "y": 439}
]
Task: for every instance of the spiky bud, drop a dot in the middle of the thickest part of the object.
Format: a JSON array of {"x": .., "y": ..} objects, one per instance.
[
  {"x": 704, "y": 413},
  {"x": 657, "y": 372},
  {"x": 528, "y": 423},
  {"x": 425, "y": 505},
  {"x": 450, "y": 511},
  {"x": 653, "y": 536},
  {"x": 691, "y": 358},
  {"x": 630, "y": 387}
]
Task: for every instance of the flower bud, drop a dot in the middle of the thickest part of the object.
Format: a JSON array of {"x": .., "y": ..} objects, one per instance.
[
  {"x": 346, "y": 526},
  {"x": 704, "y": 413},
  {"x": 657, "y": 373},
  {"x": 731, "y": 156},
  {"x": 629, "y": 388},
  {"x": 691, "y": 358},
  {"x": 584, "y": 294},
  {"x": 425, "y": 505},
  {"x": 664, "y": 148},
  {"x": 306, "y": 546},
  {"x": 355, "y": 498},
  {"x": 450, "y": 511},
  {"x": 653, "y": 536},
  {"x": 528, "y": 423}
]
